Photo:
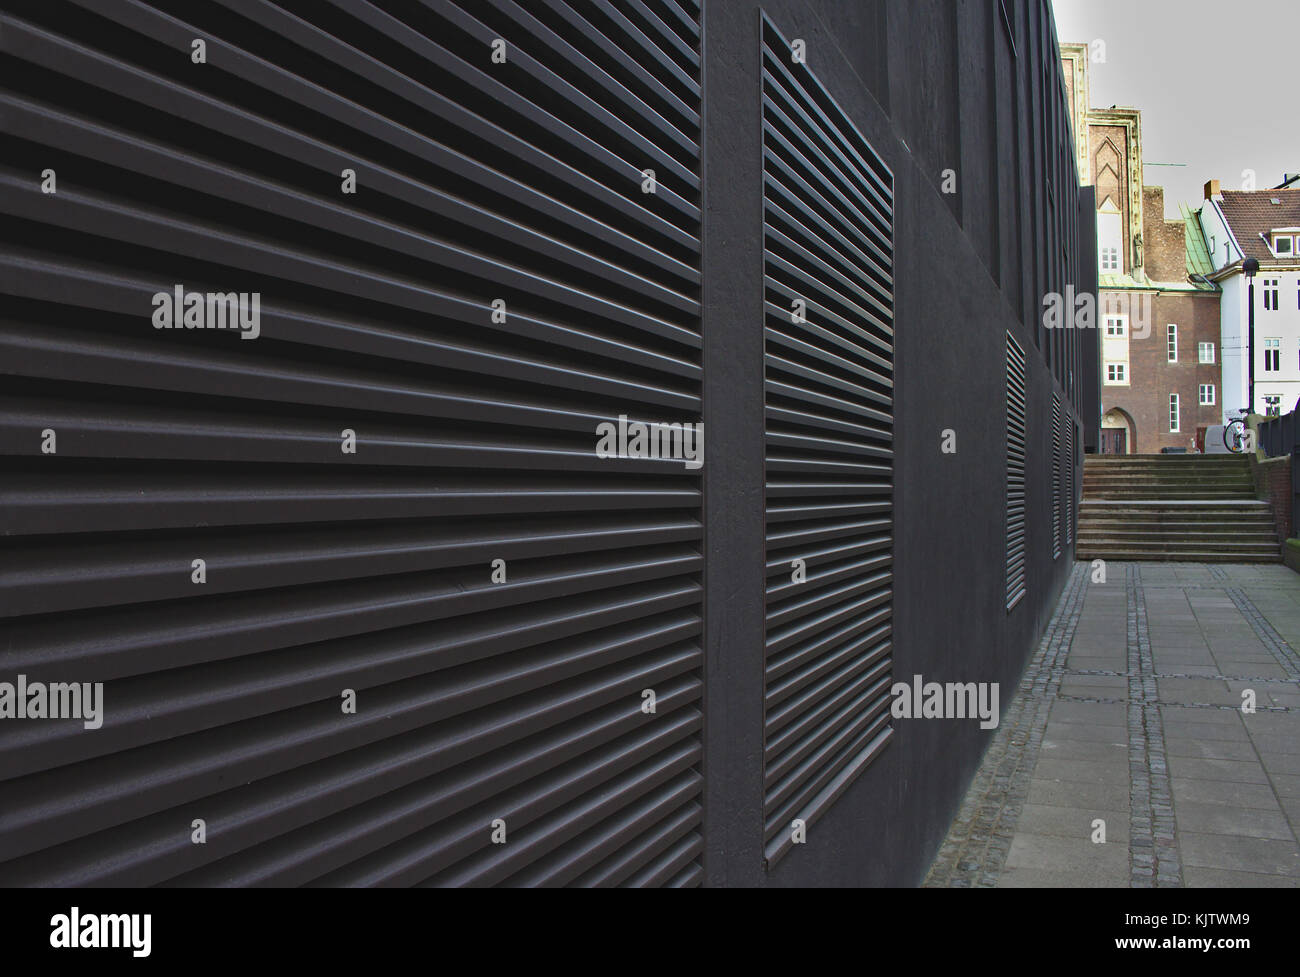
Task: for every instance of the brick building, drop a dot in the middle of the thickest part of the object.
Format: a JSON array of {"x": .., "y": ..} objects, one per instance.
[{"x": 1159, "y": 312}]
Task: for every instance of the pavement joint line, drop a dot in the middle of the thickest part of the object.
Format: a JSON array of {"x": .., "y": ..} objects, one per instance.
[
  {"x": 1218, "y": 676},
  {"x": 1091, "y": 701},
  {"x": 1276, "y": 644},
  {"x": 1151, "y": 805}
]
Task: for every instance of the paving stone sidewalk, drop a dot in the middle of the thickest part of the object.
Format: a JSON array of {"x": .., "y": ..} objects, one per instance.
[{"x": 1130, "y": 713}]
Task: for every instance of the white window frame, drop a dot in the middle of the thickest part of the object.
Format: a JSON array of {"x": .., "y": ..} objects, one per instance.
[
  {"x": 1202, "y": 349},
  {"x": 1171, "y": 341},
  {"x": 1119, "y": 371},
  {"x": 1207, "y": 394},
  {"x": 1271, "y": 292},
  {"x": 1116, "y": 326},
  {"x": 1174, "y": 426},
  {"x": 1290, "y": 245},
  {"x": 1273, "y": 344},
  {"x": 1269, "y": 406},
  {"x": 1110, "y": 241}
]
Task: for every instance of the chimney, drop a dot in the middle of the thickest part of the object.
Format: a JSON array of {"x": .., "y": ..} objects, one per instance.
[{"x": 1213, "y": 191}]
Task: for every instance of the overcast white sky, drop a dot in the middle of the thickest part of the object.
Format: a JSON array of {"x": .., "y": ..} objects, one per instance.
[{"x": 1218, "y": 84}]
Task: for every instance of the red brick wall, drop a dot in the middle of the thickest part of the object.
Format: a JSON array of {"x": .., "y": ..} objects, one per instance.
[
  {"x": 1273, "y": 483},
  {"x": 1164, "y": 243},
  {"x": 1153, "y": 378}
]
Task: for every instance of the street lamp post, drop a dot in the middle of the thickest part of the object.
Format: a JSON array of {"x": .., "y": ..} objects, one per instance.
[{"x": 1249, "y": 267}]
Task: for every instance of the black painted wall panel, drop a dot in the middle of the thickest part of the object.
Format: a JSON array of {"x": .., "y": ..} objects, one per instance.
[
  {"x": 924, "y": 85},
  {"x": 976, "y": 23}
]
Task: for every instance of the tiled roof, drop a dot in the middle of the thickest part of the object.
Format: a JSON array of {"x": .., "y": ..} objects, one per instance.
[{"x": 1252, "y": 212}]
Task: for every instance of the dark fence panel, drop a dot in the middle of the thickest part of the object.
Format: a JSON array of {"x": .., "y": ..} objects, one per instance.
[{"x": 1277, "y": 435}]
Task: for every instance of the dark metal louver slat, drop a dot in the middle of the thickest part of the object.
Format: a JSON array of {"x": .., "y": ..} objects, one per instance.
[
  {"x": 1017, "y": 443},
  {"x": 828, "y": 210},
  {"x": 1058, "y": 476},
  {"x": 1071, "y": 486},
  {"x": 436, "y": 352}
]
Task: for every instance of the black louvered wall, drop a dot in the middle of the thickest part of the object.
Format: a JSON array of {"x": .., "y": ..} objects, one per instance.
[
  {"x": 828, "y": 213},
  {"x": 475, "y": 441},
  {"x": 526, "y": 257},
  {"x": 1017, "y": 441}
]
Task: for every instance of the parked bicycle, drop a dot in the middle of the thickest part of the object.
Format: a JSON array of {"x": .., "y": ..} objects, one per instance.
[{"x": 1236, "y": 437}]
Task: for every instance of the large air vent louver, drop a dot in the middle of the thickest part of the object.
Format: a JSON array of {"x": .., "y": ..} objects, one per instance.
[
  {"x": 1058, "y": 478},
  {"x": 1017, "y": 442},
  {"x": 1071, "y": 476},
  {"x": 497, "y": 596},
  {"x": 828, "y": 210}
]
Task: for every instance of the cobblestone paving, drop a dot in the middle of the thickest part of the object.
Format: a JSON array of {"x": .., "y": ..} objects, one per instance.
[{"x": 1129, "y": 716}]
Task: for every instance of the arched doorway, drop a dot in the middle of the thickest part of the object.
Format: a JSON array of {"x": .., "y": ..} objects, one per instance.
[{"x": 1118, "y": 433}]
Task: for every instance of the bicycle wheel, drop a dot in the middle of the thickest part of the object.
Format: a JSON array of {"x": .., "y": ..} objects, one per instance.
[{"x": 1233, "y": 435}]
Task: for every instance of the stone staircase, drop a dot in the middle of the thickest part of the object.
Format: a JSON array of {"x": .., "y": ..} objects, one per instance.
[{"x": 1180, "y": 508}]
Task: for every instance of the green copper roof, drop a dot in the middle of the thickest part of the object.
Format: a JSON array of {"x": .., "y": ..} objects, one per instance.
[
  {"x": 1198, "y": 263},
  {"x": 1122, "y": 281},
  {"x": 1198, "y": 255}
]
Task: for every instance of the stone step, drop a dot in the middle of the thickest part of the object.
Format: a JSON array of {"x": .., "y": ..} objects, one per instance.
[
  {"x": 1181, "y": 530},
  {"x": 1180, "y": 459},
  {"x": 1146, "y": 541},
  {"x": 1154, "y": 534},
  {"x": 1251, "y": 503},
  {"x": 1160, "y": 474},
  {"x": 1162, "y": 515},
  {"x": 1159, "y": 556},
  {"x": 1166, "y": 461},
  {"x": 1229, "y": 504},
  {"x": 1174, "y": 507},
  {"x": 1182, "y": 495},
  {"x": 1173, "y": 516},
  {"x": 1167, "y": 486},
  {"x": 1168, "y": 478},
  {"x": 1173, "y": 520},
  {"x": 1192, "y": 475},
  {"x": 1178, "y": 491},
  {"x": 1192, "y": 508}
]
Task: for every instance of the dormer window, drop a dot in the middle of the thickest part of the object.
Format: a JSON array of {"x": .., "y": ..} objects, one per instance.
[{"x": 1284, "y": 241}]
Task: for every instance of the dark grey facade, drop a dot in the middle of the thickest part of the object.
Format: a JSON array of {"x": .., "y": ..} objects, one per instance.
[
  {"x": 606, "y": 221},
  {"x": 931, "y": 86}
]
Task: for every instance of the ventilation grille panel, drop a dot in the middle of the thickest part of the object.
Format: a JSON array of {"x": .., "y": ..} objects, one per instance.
[
  {"x": 1017, "y": 442},
  {"x": 477, "y": 699},
  {"x": 828, "y": 211}
]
